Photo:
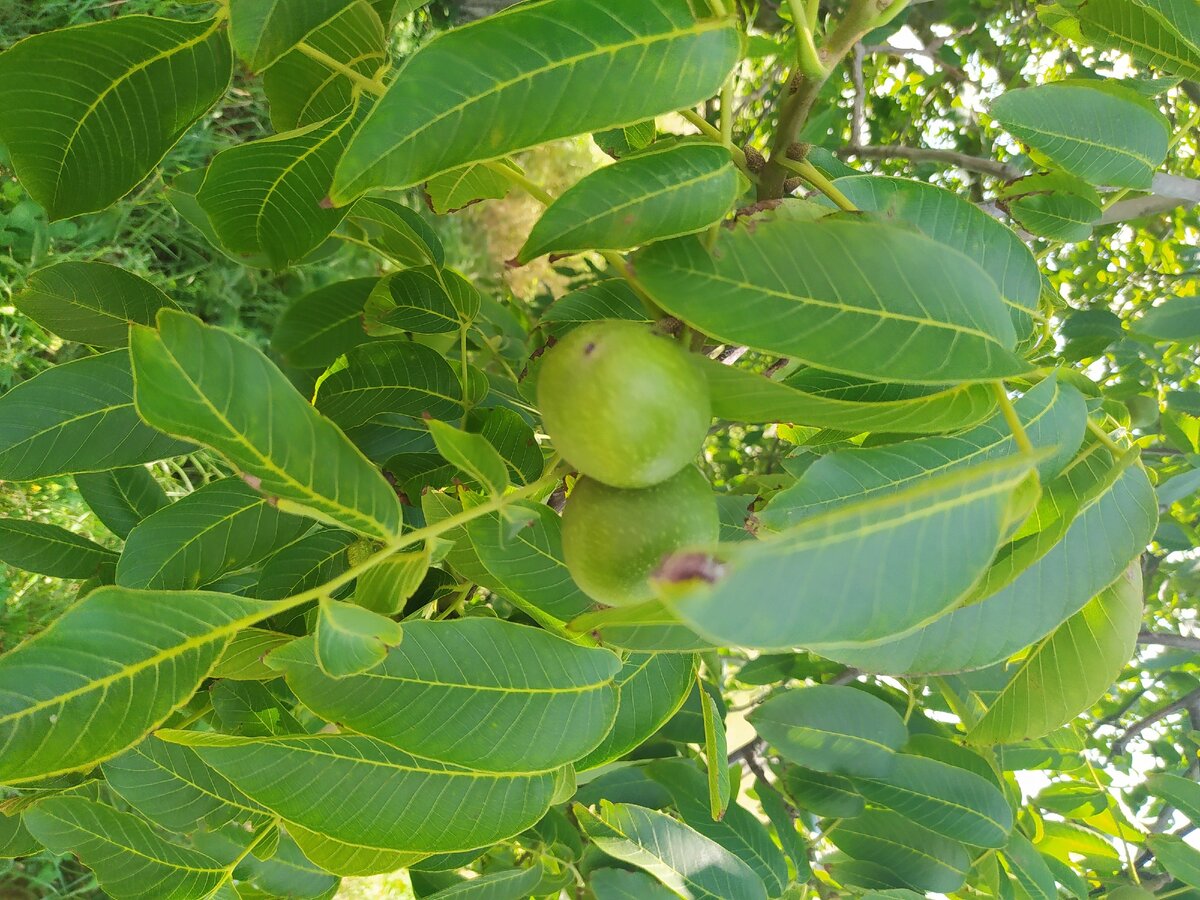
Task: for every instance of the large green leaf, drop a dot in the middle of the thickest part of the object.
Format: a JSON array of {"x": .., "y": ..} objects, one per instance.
[
  {"x": 662, "y": 194},
  {"x": 1181, "y": 793},
  {"x": 832, "y": 728},
  {"x": 460, "y": 188},
  {"x": 77, "y": 417},
  {"x": 395, "y": 376},
  {"x": 507, "y": 884},
  {"x": 350, "y": 640},
  {"x": 945, "y": 799},
  {"x": 111, "y": 99},
  {"x": 828, "y": 400},
  {"x": 121, "y": 498},
  {"x": 266, "y": 196},
  {"x": 223, "y": 526},
  {"x": 1115, "y": 522},
  {"x": 304, "y": 564},
  {"x": 528, "y": 566},
  {"x": 921, "y": 859},
  {"x": 861, "y": 298},
  {"x": 401, "y": 235},
  {"x": 191, "y": 380},
  {"x": 738, "y": 831},
  {"x": 1175, "y": 319},
  {"x": 1070, "y": 670},
  {"x": 1179, "y": 858},
  {"x": 90, "y": 302},
  {"x": 1164, "y": 34},
  {"x": 650, "y": 689},
  {"x": 685, "y": 861},
  {"x": 107, "y": 671},
  {"x": 610, "y": 298},
  {"x": 948, "y": 218},
  {"x": 169, "y": 785},
  {"x": 302, "y": 90},
  {"x": 1029, "y": 868},
  {"x": 459, "y": 99},
  {"x": 351, "y": 860},
  {"x": 927, "y": 545},
  {"x": 322, "y": 325},
  {"x": 832, "y": 796},
  {"x": 129, "y": 857},
  {"x": 1054, "y": 416},
  {"x": 1102, "y": 133},
  {"x": 52, "y": 550},
  {"x": 455, "y": 691},
  {"x": 362, "y": 791},
  {"x": 623, "y": 884},
  {"x": 646, "y": 628},
  {"x": 263, "y": 30}
]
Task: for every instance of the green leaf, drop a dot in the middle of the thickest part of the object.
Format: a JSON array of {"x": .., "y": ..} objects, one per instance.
[
  {"x": 263, "y": 30},
  {"x": 647, "y": 627},
  {"x": 831, "y": 796},
  {"x": 454, "y": 690},
  {"x": 1053, "y": 414},
  {"x": 832, "y": 728},
  {"x": 934, "y": 540},
  {"x": 1070, "y": 670},
  {"x": 15, "y": 839},
  {"x": 349, "y": 860},
  {"x": 1105, "y": 135},
  {"x": 121, "y": 498},
  {"x": 471, "y": 454},
  {"x": 945, "y": 799},
  {"x": 304, "y": 564},
  {"x": 738, "y": 831},
  {"x": 399, "y": 233},
  {"x": 1029, "y": 868},
  {"x": 951, "y": 220},
  {"x": 90, "y": 302},
  {"x": 611, "y": 298},
  {"x": 106, "y": 672},
  {"x": 388, "y": 435},
  {"x": 661, "y": 194},
  {"x": 828, "y": 400},
  {"x": 303, "y": 91},
  {"x": 128, "y": 857},
  {"x": 650, "y": 689},
  {"x": 780, "y": 816},
  {"x": 323, "y": 324},
  {"x": 1114, "y": 523},
  {"x": 190, "y": 378},
  {"x": 415, "y": 301},
  {"x": 459, "y": 188},
  {"x": 222, "y": 527},
  {"x": 1175, "y": 319},
  {"x": 284, "y": 873},
  {"x": 120, "y": 93},
  {"x": 622, "y": 884},
  {"x": 243, "y": 657},
  {"x": 1163, "y": 34},
  {"x": 1180, "y": 859},
  {"x": 910, "y": 309},
  {"x": 685, "y": 861},
  {"x": 52, "y": 550},
  {"x": 1181, "y": 793},
  {"x": 351, "y": 640},
  {"x": 253, "y": 708},
  {"x": 716, "y": 751},
  {"x": 509, "y": 884},
  {"x": 394, "y": 376},
  {"x": 387, "y": 586},
  {"x": 528, "y": 566},
  {"x": 77, "y": 417},
  {"x": 362, "y": 791},
  {"x": 921, "y": 859},
  {"x": 265, "y": 196},
  {"x": 1053, "y": 205},
  {"x": 513, "y": 438},
  {"x": 169, "y": 785},
  {"x": 458, "y": 99}
]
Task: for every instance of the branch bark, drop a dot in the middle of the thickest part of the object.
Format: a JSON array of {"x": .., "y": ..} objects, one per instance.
[
  {"x": 1167, "y": 639},
  {"x": 1183, "y": 703},
  {"x": 926, "y": 154}
]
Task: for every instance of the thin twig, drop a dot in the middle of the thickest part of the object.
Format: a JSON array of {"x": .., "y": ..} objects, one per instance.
[
  {"x": 1166, "y": 639},
  {"x": 1118, "y": 746}
]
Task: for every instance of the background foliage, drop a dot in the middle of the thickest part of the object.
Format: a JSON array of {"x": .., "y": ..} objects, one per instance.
[{"x": 1064, "y": 763}]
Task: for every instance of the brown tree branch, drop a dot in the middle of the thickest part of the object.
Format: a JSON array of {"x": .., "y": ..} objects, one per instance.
[
  {"x": 1167, "y": 639},
  {"x": 1183, "y": 703},
  {"x": 926, "y": 154}
]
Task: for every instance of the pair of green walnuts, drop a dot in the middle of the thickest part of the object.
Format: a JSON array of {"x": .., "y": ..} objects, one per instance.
[{"x": 629, "y": 410}]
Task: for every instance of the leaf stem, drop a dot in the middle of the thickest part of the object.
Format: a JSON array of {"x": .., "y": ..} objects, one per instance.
[
  {"x": 708, "y": 130},
  {"x": 521, "y": 180},
  {"x": 1105, "y": 438},
  {"x": 370, "y": 85},
  {"x": 1011, "y": 417},
  {"x": 817, "y": 179}
]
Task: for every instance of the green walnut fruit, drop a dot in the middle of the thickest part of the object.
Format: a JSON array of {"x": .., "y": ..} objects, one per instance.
[
  {"x": 614, "y": 538},
  {"x": 623, "y": 405}
]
